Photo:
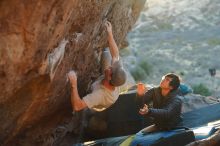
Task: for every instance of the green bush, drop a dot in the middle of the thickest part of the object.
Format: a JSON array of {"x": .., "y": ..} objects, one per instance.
[
  {"x": 125, "y": 52},
  {"x": 138, "y": 73},
  {"x": 214, "y": 41},
  {"x": 165, "y": 26},
  {"x": 182, "y": 73},
  {"x": 201, "y": 89},
  {"x": 145, "y": 66}
]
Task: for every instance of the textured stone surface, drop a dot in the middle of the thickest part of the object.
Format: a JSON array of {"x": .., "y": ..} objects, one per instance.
[
  {"x": 196, "y": 101},
  {"x": 40, "y": 41},
  {"x": 213, "y": 140}
]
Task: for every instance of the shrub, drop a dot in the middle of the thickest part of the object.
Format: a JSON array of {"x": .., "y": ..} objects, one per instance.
[
  {"x": 138, "y": 73},
  {"x": 145, "y": 66},
  {"x": 214, "y": 42},
  {"x": 182, "y": 73},
  {"x": 201, "y": 89},
  {"x": 125, "y": 52},
  {"x": 165, "y": 26}
]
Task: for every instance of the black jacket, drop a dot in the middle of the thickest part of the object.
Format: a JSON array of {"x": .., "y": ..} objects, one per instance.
[{"x": 166, "y": 111}]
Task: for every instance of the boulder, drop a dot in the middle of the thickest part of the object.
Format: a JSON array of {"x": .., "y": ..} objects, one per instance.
[
  {"x": 195, "y": 101},
  {"x": 40, "y": 42}
]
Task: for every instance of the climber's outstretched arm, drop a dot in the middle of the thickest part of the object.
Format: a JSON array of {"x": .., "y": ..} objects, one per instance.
[
  {"x": 112, "y": 44},
  {"x": 77, "y": 103}
]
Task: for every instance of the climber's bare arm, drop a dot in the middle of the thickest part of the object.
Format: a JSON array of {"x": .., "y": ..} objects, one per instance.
[
  {"x": 112, "y": 44},
  {"x": 77, "y": 103}
]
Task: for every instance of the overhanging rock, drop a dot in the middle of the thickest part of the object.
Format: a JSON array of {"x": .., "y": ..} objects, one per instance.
[{"x": 34, "y": 93}]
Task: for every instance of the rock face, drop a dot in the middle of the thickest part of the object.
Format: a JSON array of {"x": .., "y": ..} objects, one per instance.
[
  {"x": 196, "y": 101},
  {"x": 40, "y": 41},
  {"x": 213, "y": 140}
]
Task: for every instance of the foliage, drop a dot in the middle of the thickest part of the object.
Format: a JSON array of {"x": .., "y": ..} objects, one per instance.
[
  {"x": 138, "y": 73},
  {"x": 145, "y": 66},
  {"x": 214, "y": 42},
  {"x": 201, "y": 89},
  {"x": 165, "y": 26},
  {"x": 125, "y": 52},
  {"x": 140, "y": 70},
  {"x": 182, "y": 73}
]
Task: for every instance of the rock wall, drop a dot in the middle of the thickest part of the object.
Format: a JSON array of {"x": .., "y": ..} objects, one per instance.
[
  {"x": 40, "y": 41},
  {"x": 213, "y": 140}
]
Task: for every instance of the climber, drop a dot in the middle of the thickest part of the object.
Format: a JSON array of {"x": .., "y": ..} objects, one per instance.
[{"x": 105, "y": 90}]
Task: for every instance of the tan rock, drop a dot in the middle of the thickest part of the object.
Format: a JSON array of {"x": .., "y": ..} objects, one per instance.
[{"x": 34, "y": 92}]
